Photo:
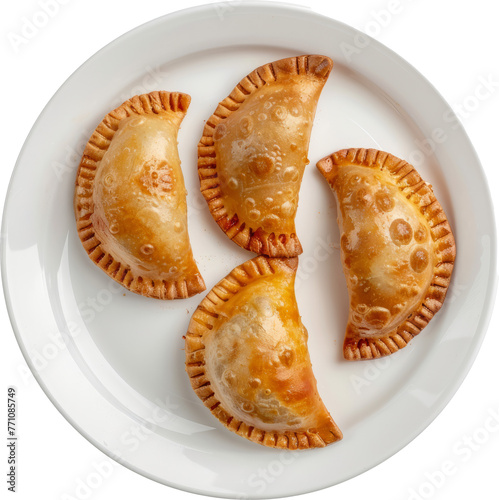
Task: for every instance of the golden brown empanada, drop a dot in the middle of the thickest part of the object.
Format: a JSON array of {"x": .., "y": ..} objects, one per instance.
[
  {"x": 247, "y": 358},
  {"x": 397, "y": 249},
  {"x": 130, "y": 198},
  {"x": 254, "y": 150}
]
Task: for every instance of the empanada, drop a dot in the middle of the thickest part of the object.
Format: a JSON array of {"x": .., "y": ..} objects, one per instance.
[
  {"x": 247, "y": 359},
  {"x": 254, "y": 150},
  {"x": 397, "y": 249},
  {"x": 130, "y": 198}
]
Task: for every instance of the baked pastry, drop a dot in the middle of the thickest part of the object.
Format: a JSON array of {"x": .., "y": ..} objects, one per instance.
[
  {"x": 397, "y": 249},
  {"x": 130, "y": 198},
  {"x": 247, "y": 359},
  {"x": 254, "y": 150}
]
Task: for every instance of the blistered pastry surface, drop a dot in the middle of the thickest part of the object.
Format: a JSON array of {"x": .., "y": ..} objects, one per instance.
[
  {"x": 257, "y": 359},
  {"x": 262, "y": 153},
  {"x": 253, "y": 153},
  {"x": 140, "y": 199},
  {"x": 129, "y": 202},
  {"x": 397, "y": 248},
  {"x": 386, "y": 248},
  {"x": 247, "y": 359}
]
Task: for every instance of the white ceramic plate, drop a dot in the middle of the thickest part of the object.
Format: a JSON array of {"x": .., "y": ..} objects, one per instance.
[{"x": 112, "y": 361}]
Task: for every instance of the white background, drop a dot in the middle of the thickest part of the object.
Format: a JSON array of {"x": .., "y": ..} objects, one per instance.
[{"x": 455, "y": 45}]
